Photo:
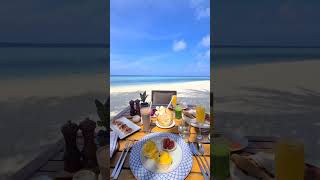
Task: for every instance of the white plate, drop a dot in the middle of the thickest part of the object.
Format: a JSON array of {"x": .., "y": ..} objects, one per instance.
[
  {"x": 129, "y": 123},
  {"x": 146, "y": 169},
  {"x": 164, "y": 127}
]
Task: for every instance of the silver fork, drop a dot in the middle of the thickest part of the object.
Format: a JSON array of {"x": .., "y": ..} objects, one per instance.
[
  {"x": 123, "y": 159},
  {"x": 118, "y": 163},
  {"x": 201, "y": 151},
  {"x": 207, "y": 169},
  {"x": 203, "y": 171}
]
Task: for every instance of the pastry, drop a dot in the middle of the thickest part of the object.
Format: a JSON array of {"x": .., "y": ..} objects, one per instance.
[
  {"x": 164, "y": 120},
  {"x": 150, "y": 150}
]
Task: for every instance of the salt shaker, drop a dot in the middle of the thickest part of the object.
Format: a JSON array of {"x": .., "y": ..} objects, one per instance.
[
  {"x": 132, "y": 109},
  {"x": 137, "y": 101}
]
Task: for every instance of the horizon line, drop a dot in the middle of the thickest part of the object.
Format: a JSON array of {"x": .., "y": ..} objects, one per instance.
[
  {"x": 163, "y": 75},
  {"x": 53, "y": 45},
  {"x": 262, "y": 46}
]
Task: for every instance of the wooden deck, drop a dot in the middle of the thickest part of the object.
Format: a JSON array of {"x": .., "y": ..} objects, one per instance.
[{"x": 50, "y": 162}]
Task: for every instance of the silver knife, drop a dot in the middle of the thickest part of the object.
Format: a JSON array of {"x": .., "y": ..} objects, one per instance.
[{"x": 201, "y": 168}]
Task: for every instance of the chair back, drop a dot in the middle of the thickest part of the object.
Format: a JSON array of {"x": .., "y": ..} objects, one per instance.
[{"x": 161, "y": 97}]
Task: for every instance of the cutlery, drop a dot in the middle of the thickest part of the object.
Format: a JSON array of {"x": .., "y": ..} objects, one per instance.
[
  {"x": 122, "y": 161},
  {"x": 196, "y": 157},
  {"x": 207, "y": 169},
  {"x": 117, "y": 165},
  {"x": 114, "y": 141},
  {"x": 201, "y": 151}
]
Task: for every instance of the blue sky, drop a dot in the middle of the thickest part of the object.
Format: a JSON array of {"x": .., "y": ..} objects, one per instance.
[{"x": 166, "y": 37}]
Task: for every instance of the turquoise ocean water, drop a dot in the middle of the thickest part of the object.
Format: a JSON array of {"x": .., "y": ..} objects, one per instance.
[{"x": 125, "y": 80}]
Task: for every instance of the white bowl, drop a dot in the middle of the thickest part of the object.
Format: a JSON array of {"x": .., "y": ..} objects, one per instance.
[{"x": 136, "y": 118}]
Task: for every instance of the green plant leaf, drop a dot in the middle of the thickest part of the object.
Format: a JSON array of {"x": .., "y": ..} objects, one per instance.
[{"x": 102, "y": 112}]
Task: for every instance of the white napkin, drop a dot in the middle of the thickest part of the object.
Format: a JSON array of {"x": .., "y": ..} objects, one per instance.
[
  {"x": 237, "y": 174},
  {"x": 113, "y": 142},
  {"x": 265, "y": 160}
]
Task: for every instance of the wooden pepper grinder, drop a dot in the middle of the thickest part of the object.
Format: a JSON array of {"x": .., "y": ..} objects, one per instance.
[
  {"x": 138, "y": 107},
  {"x": 87, "y": 127},
  {"x": 72, "y": 155},
  {"x": 132, "y": 110}
]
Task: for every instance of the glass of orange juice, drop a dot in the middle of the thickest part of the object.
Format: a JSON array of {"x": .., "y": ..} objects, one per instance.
[
  {"x": 200, "y": 117},
  {"x": 289, "y": 160},
  {"x": 174, "y": 100}
]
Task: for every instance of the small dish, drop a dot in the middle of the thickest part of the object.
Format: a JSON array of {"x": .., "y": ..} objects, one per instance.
[
  {"x": 168, "y": 140},
  {"x": 165, "y": 127},
  {"x": 136, "y": 118}
]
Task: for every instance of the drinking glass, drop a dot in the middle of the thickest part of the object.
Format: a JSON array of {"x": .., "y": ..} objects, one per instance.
[
  {"x": 183, "y": 127},
  {"x": 200, "y": 117},
  {"x": 178, "y": 112},
  {"x": 146, "y": 118},
  {"x": 289, "y": 160},
  {"x": 221, "y": 159}
]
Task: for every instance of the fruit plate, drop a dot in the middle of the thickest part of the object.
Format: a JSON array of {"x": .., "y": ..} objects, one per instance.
[
  {"x": 127, "y": 122},
  {"x": 145, "y": 169}
]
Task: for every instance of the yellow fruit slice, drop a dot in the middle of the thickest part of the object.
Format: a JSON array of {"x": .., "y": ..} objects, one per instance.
[
  {"x": 165, "y": 158},
  {"x": 150, "y": 150}
]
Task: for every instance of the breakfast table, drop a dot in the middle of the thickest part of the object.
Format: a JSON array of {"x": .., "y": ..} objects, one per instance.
[
  {"x": 255, "y": 144},
  {"x": 126, "y": 172}
]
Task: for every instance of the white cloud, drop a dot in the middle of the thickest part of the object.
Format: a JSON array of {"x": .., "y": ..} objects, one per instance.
[
  {"x": 201, "y": 8},
  {"x": 203, "y": 12},
  {"x": 205, "y": 42},
  {"x": 179, "y": 45}
]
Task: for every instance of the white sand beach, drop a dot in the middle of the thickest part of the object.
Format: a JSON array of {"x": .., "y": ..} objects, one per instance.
[
  {"x": 33, "y": 110},
  {"x": 195, "y": 92},
  {"x": 276, "y": 99}
]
